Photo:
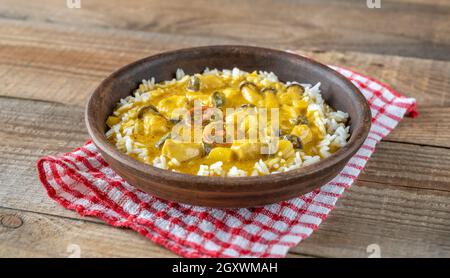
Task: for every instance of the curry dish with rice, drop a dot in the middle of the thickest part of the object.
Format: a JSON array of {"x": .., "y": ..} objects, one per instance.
[{"x": 227, "y": 123}]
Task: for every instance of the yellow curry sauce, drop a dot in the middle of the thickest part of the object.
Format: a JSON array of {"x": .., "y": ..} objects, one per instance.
[{"x": 142, "y": 125}]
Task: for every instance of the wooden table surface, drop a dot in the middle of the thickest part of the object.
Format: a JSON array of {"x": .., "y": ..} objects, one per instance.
[{"x": 52, "y": 57}]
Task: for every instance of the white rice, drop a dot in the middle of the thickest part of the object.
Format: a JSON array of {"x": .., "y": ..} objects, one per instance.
[
  {"x": 268, "y": 77},
  {"x": 160, "y": 162},
  {"x": 342, "y": 133},
  {"x": 338, "y": 116},
  {"x": 214, "y": 169},
  {"x": 235, "y": 73},
  {"x": 179, "y": 74},
  {"x": 175, "y": 162},
  {"x": 310, "y": 160},
  {"x": 330, "y": 123},
  {"x": 203, "y": 170},
  {"x": 235, "y": 172},
  {"x": 261, "y": 167}
]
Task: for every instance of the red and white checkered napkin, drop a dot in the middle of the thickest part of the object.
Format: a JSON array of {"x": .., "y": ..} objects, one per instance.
[{"x": 81, "y": 180}]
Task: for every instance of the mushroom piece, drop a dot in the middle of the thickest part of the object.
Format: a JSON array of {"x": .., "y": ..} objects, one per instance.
[
  {"x": 300, "y": 120},
  {"x": 193, "y": 84},
  {"x": 247, "y": 105},
  {"x": 250, "y": 92},
  {"x": 175, "y": 120},
  {"x": 207, "y": 148},
  {"x": 295, "y": 87},
  {"x": 218, "y": 99},
  {"x": 162, "y": 140},
  {"x": 269, "y": 90},
  {"x": 270, "y": 98},
  {"x": 145, "y": 109},
  {"x": 295, "y": 140}
]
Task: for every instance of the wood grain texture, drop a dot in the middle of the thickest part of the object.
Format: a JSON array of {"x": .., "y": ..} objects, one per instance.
[
  {"x": 409, "y": 165},
  {"x": 405, "y": 28},
  {"x": 70, "y": 68},
  {"x": 430, "y": 128},
  {"x": 428, "y": 81},
  {"x": 43, "y": 235},
  {"x": 388, "y": 198},
  {"x": 33, "y": 129},
  {"x": 52, "y": 57},
  {"x": 403, "y": 222},
  {"x": 68, "y": 71}
]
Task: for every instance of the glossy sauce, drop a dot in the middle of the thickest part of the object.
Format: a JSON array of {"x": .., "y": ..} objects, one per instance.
[{"x": 250, "y": 90}]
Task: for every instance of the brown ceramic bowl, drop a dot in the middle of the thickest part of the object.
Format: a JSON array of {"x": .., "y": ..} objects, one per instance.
[{"x": 217, "y": 191}]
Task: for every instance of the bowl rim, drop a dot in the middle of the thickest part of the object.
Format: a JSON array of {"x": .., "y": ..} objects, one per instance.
[{"x": 182, "y": 180}]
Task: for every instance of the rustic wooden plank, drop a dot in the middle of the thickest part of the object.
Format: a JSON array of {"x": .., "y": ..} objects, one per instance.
[
  {"x": 32, "y": 129},
  {"x": 51, "y": 128},
  {"x": 438, "y": 3},
  {"x": 426, "y": 80},
  {"x": 67, "y": 77},
  {"x": 430, "y": 128},
  {"x": 329, "y": 25},
  {"x": 402, "y": 222},
  {"x": 68, "y": 69},
  {"x": 409, "y": 165},
  {"x": 391, "y": 196},
  {"x": 43, "y": 235},
  {"x": 367, "y": 215}
]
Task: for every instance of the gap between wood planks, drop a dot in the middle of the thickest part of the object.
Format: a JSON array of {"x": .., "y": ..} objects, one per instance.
[
  {"x": 69, "y": 68},
  {"x": 324, "y": 24},
  {"x": 423, "y": 79},
  {"x": 324, "y": 241},
  {"x": 54, "y": 236},
  {"x": 328, "y": 231},
  {"x": 416, "y": 144},
  {"x": 92, "y": 220},
  {"x": 360, "y": 200},
  {"x": 53, "y": 128}
]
